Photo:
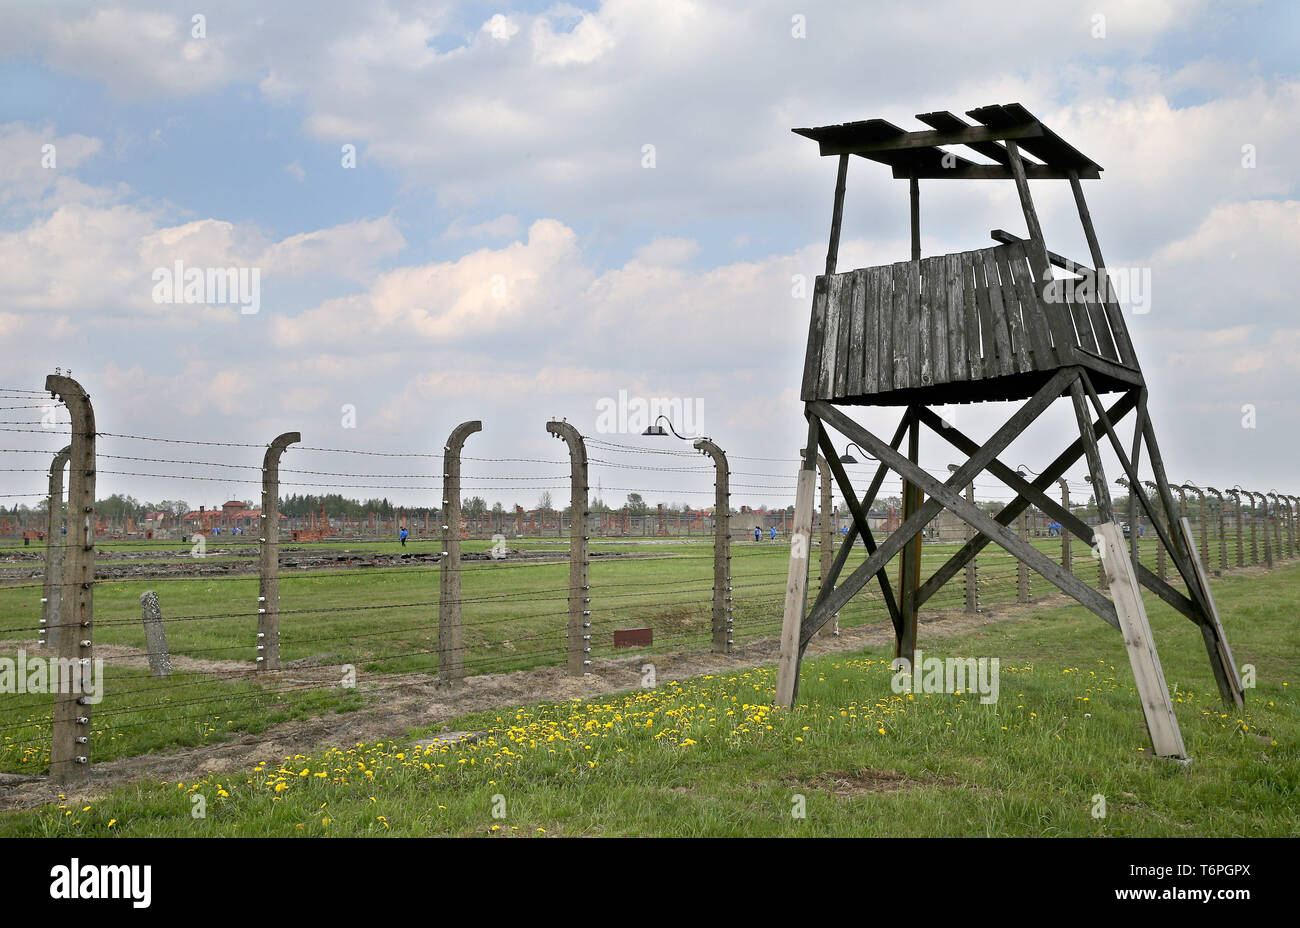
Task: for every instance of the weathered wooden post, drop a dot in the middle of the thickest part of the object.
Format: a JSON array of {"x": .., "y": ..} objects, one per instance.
[
  {"x": 827, "y": 532},
  {"x": 1162, "y": 724},
  {"x": 70, "y": 729},
  {"x": 722, "y": 621},
  {"x": 155, "y": 636},
  {"x": 579, "y": 633},
  {"x": 451, "y": 637},
  {"x": 1067, "y": 559},
  {"x": 268, "y": 582},
  {"x": 796, "y": 584},
  {"x": 1022, "y": 569},
  {"x": 55, "y": 545},
  {"x": 827, "y": 553},
  {"x": 909, "y": 561}
]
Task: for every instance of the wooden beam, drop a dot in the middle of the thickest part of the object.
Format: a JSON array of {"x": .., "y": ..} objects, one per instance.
[
  {"x": 1002, "y": 237},
  {"x": 1113, "y": 315},
  {"x": 837, "y": 216},
  {"x": 929, "y": 139},
  {"x": 1154, "y": 693},
  {"x": 1063, "y": 336},
  {"x": 914, "y": 197},
  {"x": 990, "y": 172},
  {"x": 909, "y": 564},
  {"x": 796, "y": 590}
]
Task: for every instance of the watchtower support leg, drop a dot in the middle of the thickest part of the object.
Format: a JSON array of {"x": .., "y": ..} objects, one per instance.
[
  {"x": 910, "y": 560},
  {"x": 796, "y": 588}
]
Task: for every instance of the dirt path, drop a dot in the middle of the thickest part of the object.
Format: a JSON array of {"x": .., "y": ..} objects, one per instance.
[{"x": 394, "y": 708}]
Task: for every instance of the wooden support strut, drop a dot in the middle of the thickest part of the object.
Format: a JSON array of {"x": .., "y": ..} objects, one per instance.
[
  {"x": 827, "y": 533},
  {"x": 909, "y": 563},
  {"x": 1152, "y": 689},
  {"x": 268, "y": 577},
  {"x": 796, "y": 587},
  {"x": 451, "y": 636}
]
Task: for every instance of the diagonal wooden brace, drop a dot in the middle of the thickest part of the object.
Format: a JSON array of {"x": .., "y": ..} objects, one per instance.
[
  {"x": 1010, "y": 512},
  {"x": 952, "y": 500}
]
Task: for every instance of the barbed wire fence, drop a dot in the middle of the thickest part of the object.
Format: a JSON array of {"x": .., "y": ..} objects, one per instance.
[{"x": 188, "y": 634}]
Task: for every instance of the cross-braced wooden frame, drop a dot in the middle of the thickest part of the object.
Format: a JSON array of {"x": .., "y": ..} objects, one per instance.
[
  {"x": 903, "y": 606},
  {"x": 984, "y": 325}
]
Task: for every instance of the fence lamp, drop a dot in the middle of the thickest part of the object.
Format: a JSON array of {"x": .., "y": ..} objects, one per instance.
[
  {"x": 655, "y": 430},
  {"x": 847, "y": 458}
]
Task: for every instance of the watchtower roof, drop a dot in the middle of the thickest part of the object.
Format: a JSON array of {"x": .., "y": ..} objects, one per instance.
[{"x": 918, "y": 154}]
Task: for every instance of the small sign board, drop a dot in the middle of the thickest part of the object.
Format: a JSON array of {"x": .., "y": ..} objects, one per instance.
[{"x": 633, "y": 637}]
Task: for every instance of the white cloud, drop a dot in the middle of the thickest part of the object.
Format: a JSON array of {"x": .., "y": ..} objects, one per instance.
[{"x": 162, "y": 54}]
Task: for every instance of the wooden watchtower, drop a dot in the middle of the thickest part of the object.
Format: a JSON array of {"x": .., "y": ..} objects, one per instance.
[{"x": 990, "y": 324}]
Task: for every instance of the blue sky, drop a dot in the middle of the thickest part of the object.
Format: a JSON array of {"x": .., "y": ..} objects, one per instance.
[{"x": 507, "y": 142}]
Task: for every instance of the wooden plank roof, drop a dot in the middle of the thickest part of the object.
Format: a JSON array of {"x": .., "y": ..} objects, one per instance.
[{"x": 919, "y": 153}]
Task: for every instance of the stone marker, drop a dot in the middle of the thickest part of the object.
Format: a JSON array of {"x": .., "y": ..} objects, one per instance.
[{"x": 155, "y": 636}]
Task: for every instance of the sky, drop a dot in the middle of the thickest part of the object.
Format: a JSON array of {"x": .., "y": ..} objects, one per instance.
[{"x": 513, "y": 213}]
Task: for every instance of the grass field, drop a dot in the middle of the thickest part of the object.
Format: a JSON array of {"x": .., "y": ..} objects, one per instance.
[
  {"x": 383, "y": 621},
  {"x": 708, "y": 756}
]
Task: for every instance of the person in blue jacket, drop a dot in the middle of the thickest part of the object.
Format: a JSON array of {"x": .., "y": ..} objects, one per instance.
[
  {"x": 773, "y": 531},
  {"x": 402, "y": 535}
]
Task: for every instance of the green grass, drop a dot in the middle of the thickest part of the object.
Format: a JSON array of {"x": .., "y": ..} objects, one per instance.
[
  {"x": 149, "y": 715},
  {"x": 384, "y": 620},
  {"x": 708, "y": 756}
]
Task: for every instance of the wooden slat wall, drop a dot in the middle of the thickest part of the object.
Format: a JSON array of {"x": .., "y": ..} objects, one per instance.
[
  {"x": 1101, "y": 332},
  {"x": 958, "y": 363},
  {"x": 971, "y": 313},
  {"x": 871, "y": 341},
  {"x": 812, "y": 361},
  {"x": 975, "y": 315},
  {"x": 849, "y": 293},
  {"x": 885, "y": 360},
  {"x": 830, "y": 336},
  {"x": 1082, "y": 324},
  {"x": 1032, "y": 318}
]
